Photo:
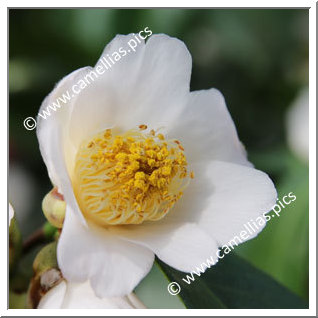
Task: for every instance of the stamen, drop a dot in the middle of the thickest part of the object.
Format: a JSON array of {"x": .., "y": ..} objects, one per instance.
[
  {"x": 129, "y": 178},
  {"x": 142, "y": 127}
]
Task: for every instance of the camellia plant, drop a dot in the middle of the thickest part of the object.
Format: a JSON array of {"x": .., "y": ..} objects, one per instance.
[{"x": 142, "y": 167}]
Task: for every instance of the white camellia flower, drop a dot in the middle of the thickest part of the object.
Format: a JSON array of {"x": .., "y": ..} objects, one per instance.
[
  {"x": 146, "y": 168},
  {"x": 74, "y": 296}
]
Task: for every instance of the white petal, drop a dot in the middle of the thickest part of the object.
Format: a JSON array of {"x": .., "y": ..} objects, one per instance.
[
  {"x": 220, "y": 199},
  {"x": 53, "y": 136},
  {"x": 135, "y": 301},
  {"x": 145, "y": 84},
  {"x": 148, "y": 86},
  {"x": 113, "y": 266},
  {"x": 82, "y": 296},
  {"x": 224, "y": 197},
  {"x": 163, "y": 62},
  {"x": 207, "y": 131},
  {"x": 11, "y": 213},
  {"x": 182, "y": 246},
  {"x": 68, "y": 295},
  {"x": 54, "y": 298},
  {"x": 162, "y": 85},
  {"x": 103, "y": 102},
  {"x": 52, "y": 129}
]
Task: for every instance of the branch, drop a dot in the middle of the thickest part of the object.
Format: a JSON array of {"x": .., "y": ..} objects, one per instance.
[{"x": 34, "y": 239}]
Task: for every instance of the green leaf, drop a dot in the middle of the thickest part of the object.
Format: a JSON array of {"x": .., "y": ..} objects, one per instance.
[
  {"x": 271, "y": 251},
  {"x": 235, "y": 284},
  {"x": 152, "y": 291}
]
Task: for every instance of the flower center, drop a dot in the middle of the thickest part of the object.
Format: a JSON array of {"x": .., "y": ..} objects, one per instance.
[{"x": 129, "y": 178}]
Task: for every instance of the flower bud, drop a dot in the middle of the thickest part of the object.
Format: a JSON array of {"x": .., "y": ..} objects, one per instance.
[
  {"x": 54, "y": 206},
  {"x": 45, "y": 259},
  {"x": 46, "y": 275}
]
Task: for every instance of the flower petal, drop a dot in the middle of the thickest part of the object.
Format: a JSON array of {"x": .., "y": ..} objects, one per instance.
[
  {"x": 182, "y": 246},
  {"x": 54, "y": 298},
  {"x": 68, "y": 295},
  {"x": 223, "y": 197},
  {"x": 82, "y": 296},
  {"x": 207, "y": 131},
  {"x": 52, "y": 132},
  {"x": 162, "y": 85},
  {"x": 52, "y": 126},
  {"x": 135, "y": 301},
  {"x": 113, "y": 266},
  {"x": 148, "y": 86}
]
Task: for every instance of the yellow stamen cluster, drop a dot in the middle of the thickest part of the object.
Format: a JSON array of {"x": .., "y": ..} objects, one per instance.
[{"x": 129, "y": 178}]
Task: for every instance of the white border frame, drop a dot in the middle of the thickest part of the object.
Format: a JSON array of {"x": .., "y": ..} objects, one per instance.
[{"x": 312, "y": 155}]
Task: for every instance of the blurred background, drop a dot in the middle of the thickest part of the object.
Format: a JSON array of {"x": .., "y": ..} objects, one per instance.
[{"x": 258, "y": 59}]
